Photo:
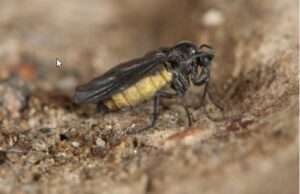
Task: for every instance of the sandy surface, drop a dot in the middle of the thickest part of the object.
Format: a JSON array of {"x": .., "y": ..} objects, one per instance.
[{"x": 50, "y": 145}]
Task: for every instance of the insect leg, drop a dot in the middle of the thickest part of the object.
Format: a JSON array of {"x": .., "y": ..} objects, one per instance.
[
  {"x": 205, "y": 89},
  {"x": 189, "y": 115},
  {"x": 213, "y": 101},
  {"x": 155, "y": 113},
  {"x": 186, "y": 109},
  {"x": 202, "y": 78},
  {"x": 179, "y": 84},
  {"x": 206, "y": 92},
  {"x": 101, "y": 108},
  {"x": 154, "y": 118},
  {"x": 180, "y": 87}
]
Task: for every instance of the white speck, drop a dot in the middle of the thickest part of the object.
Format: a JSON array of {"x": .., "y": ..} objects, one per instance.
[
  {"x": 213, "y": 17},
  {"x": 100, "y": 142},
  {"x": 75, "y": 144},
  {"x": 108, "y": 126}
]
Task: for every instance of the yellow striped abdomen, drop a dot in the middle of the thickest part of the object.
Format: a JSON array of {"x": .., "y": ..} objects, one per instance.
[{"x": 143, "y": 90}]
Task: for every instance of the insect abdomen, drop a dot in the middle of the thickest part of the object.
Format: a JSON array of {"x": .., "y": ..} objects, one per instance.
[{"x": 143, "y": 90}]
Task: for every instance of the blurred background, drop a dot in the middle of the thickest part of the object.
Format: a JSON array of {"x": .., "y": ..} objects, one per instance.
[
  {"x": 254, "y": 74},
  {"x": 91, "y": 37}
]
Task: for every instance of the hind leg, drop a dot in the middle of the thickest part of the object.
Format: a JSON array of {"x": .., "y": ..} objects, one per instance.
[
  {"x": 101, "y": 108},
  {"x": 154, "y": 116},
  {"x": 156, "y": 112}
]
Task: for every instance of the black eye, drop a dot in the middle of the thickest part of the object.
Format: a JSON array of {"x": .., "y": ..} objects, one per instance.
[
  {"x": 207, "y": 60},
  {"x": 204, "y": 61}
]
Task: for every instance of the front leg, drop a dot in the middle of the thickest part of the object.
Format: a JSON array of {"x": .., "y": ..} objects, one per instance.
[
  {"x": 165, "y": 94},
  {"x": 156, "y": 112},
  {"x": 154, "y": 115},
  {"x": 202, "y": 78},
  {"x": 180, "y": 85}
]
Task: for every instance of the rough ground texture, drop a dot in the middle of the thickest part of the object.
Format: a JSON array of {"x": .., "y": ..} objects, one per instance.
[{"x": 50, "y": 145}]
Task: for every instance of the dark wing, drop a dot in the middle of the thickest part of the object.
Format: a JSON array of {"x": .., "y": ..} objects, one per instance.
[{"x": 118, "y": 78}]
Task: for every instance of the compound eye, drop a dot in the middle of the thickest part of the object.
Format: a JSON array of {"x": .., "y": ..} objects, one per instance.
[{"x": 207, "y": 60}]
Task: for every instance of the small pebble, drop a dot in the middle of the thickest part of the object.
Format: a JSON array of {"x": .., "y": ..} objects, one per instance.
[
  {"x": 75, "y": 144},
  {"x": 14, "y": 95},
  {"x": 100, "y": 142}
]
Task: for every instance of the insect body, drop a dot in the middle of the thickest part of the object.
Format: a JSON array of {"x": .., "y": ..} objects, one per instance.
[
  {"x": 143, "y": 90},
  {"x": 141, "y": 79}
]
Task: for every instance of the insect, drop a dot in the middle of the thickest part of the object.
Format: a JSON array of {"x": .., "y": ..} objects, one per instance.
[{"x": 141, "y": 79}]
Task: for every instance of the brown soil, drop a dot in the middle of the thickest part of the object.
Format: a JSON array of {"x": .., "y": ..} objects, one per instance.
[{"x": 50, "y": 145}]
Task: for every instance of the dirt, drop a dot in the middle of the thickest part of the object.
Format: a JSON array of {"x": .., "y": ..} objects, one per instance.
[{"x": 50, "y": 145}]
